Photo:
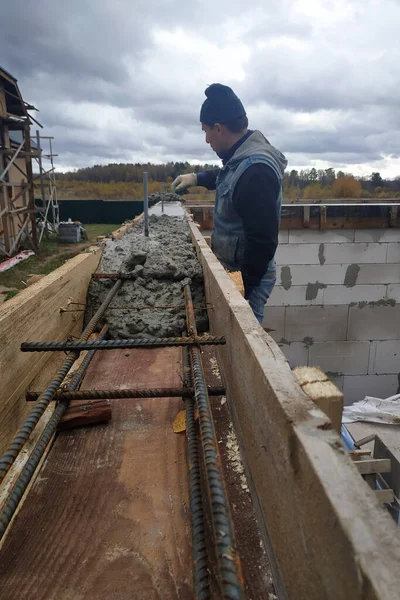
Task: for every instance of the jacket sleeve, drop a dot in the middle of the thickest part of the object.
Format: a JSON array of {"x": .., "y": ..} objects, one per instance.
[
  {"x": 208, "y": 179},
  {"x": 255, "y": 198}
]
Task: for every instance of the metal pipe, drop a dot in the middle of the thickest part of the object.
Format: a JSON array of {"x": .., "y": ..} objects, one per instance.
[
  {"x": 229, "y": 579},
  {"x": 146, "y": 204},
  {"x": 24, "y": 478},
  {"x": 43, "y": 401},
  {"x": 113, "y": 344},
  {"x": 184, "y": 392},
  {"x": 200, "y": 561}
]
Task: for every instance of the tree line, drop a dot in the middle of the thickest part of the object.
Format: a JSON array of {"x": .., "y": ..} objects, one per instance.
[{"x": 123, "y": 180}]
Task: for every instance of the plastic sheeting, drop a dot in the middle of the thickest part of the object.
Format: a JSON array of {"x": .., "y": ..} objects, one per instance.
[
  {"x": 374, "y": 410},
  {"x": 14, "y": 260}
]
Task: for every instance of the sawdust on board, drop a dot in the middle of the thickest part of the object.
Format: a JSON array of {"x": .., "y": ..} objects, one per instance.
[
  {"x": 233, "y": 453},
  {"x": 236, "y": 277},
  {"x": 214, "y": 367}
]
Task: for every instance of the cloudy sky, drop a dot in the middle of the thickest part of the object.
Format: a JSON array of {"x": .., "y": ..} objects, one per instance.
[{"x": 123, "y": 80}]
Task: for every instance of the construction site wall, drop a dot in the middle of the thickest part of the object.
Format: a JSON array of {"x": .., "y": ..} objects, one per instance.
[{"x": 336, "y": 305}]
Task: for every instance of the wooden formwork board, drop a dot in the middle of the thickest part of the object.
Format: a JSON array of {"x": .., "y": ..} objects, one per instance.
[
  {"x": 327, "y": 535},
  {"x": 34, "y": 315},
  {"x": 108, "y": 516}
]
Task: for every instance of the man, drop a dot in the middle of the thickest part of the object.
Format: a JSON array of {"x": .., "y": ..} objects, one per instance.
[{"x": 248, "y": 194}]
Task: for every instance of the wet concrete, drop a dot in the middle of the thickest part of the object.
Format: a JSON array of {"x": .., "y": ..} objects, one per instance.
[
  {"x": 286, "y": 278},
  {"x": 172, "y": 209},
  {"x": 321, "y": 254},
  {"x": 313, "y": 288},
  {"x": 352, "y": 272},
  {"x": 162, "y": 265}
]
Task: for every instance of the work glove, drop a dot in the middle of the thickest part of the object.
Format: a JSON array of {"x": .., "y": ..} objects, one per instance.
[{"x": 183, "y": 182}]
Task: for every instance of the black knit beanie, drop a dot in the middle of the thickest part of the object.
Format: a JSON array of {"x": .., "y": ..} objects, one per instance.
[{"x": 222, "y": 105}]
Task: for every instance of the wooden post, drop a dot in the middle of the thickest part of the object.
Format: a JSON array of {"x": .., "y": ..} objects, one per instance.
[{"x": 322, "y": 391}]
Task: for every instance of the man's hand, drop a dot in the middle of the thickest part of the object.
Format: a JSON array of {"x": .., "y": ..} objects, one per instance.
[{"x": 183, "y": 182}]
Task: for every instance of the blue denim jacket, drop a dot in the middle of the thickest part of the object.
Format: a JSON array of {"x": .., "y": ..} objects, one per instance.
[{"x": 228, "y": 237}]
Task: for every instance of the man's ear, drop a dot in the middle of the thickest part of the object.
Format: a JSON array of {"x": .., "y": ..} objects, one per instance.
[{"x": 218, "y": 127}]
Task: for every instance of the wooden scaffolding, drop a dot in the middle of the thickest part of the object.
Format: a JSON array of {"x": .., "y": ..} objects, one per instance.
[{"x": 17, "y": 204}]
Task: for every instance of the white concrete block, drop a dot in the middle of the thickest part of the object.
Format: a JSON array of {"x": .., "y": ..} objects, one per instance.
[
  {"x": 393, "y": 253},
  {"x": 372, "y": 355},
  {"x": 377, "y": 235},
  {"x": 283, "y": 237},
  {"x": 340, "y": 294},
  {"x": 297, "y": 254},
  {"x": 348, "y": 358},
  {"x": 294, "y": 296},
  {"x": 304, "y": 274},
  {"x": 393, "y": 291},
  {"x": 338, "y": 381},
  {"x": 296, "y": 354},
  {"x": 335, "y": 254},
  {"x": 374, "y": 322},
  {"x": 320, "y": 236},
  {"x": 316, "y": 323},
  {"x": 378, "y": 273},
  {"x": 385, "y": 357},
  {"x": 356, "y": 387},
  {"x": 274, "y": 318}
]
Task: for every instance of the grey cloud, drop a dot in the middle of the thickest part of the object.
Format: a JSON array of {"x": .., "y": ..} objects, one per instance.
[{"x": 86, "y": 57}]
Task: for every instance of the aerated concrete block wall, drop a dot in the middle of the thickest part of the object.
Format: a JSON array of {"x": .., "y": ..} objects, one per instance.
[{"x": 336, "y": 305}]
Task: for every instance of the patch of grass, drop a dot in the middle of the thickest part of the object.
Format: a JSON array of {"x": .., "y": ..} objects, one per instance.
[
  {"x": 95, "y": 229},
  {"x": 10, "y": 294},
  {"x": 51, "y": 255}
]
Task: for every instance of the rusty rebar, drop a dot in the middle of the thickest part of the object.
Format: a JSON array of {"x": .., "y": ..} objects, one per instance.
[
  {"x": 184, "y": 392},
  {"x": 121, "y": 276},
  {"x": 138, "y": 308},
  {"x": 114, "y": 344},
  {"x": 229, "y": 571},
  {"x": 201, "y": 581},
  {"x": 43, "y": 401},
  {"x": 24, "y": 478}
]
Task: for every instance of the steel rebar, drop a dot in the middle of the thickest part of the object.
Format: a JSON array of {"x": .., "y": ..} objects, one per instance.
[
  {"x": 185, "y": 392},
  {"x": 146, "y": 203},
  {"x": 43, "y": 401},
  {"x": 113, "y": 344},
  {"x": 200, "y": 560},
  {"x": 114, "y": 276},
  {"x": 230, "y": 579},
  {"x": 24, "y": 478},
  {"x": 138, "y": 308}
]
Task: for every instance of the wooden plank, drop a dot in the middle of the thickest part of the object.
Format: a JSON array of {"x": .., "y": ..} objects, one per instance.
[
  {"x": 393, "y": 478},
  {"x": 19, "y": 464},
  {"x": 109, "y": 515},
  {"x": 253, "y": 558},
  {"x": 85, "y": 412},
  {"x": 34, "y": 315},
  {"x": 317, "y": 385},
  {"x": 320, "y": 522},
  {"x": 375, "y": 465},
  {"x": 386, "y": 445},
  {"x": 359, "y": 454}
]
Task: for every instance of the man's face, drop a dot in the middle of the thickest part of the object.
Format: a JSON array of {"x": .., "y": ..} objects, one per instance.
[{"x": 215, "y": 136}]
